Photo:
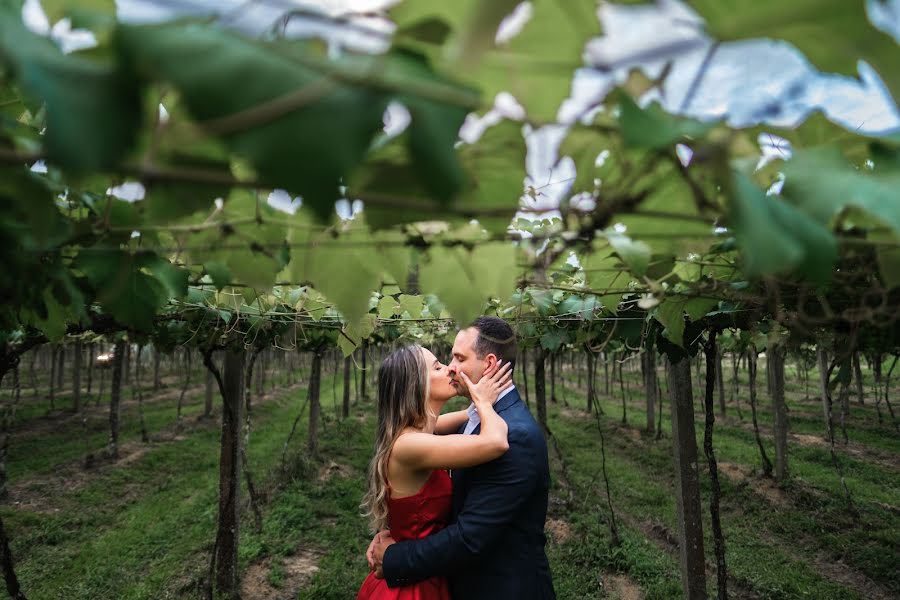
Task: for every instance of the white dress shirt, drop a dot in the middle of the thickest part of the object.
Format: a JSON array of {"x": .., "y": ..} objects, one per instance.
[{"x": 474, "y": 419}]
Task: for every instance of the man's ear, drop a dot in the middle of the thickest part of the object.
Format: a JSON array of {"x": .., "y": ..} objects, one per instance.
[{"x": 491, "y": 360}]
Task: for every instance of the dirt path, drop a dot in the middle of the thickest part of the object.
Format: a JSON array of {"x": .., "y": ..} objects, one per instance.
[
  {"x": 829, "y": 569},
  {"x": 826, "y": 567},
  {"x": 37, "y": 493}
]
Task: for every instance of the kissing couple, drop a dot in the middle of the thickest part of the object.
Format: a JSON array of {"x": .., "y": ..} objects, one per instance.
[{"x": 458, "y": 500}]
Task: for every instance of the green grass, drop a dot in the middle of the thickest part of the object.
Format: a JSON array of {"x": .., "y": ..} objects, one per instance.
[{"x": 145, "y": 530}]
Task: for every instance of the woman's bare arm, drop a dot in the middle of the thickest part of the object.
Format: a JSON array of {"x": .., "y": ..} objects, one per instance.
[{"x": 450, "y": 422}]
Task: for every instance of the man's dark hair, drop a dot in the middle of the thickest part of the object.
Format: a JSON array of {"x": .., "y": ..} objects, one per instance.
[{"x": 495, "y": 336}]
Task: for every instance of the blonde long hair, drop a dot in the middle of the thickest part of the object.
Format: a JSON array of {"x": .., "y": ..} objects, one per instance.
[{"x": 402, "y": 394}]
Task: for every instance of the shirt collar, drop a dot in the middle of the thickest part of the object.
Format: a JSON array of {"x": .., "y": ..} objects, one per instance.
[{"x": 474, "y": 411}]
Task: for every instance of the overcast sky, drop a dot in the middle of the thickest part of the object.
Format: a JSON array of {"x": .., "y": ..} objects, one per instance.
[{"x": 759, "y": 81}]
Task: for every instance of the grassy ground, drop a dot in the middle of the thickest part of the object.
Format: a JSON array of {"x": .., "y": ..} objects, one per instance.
[{"x": 143, "y": 527}]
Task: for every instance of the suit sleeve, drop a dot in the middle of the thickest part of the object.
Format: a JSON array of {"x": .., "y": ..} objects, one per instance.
[{"x": 496, "y": 492}]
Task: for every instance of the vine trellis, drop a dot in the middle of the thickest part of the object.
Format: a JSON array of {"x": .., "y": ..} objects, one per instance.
[{"x": 664, "y": 252}]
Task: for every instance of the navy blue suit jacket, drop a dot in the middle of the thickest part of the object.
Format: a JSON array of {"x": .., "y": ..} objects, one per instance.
[{"x": 493, "y": 549}]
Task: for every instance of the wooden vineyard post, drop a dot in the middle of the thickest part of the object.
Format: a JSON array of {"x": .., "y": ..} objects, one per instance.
[
  {"x": 540, "y": 387},
  {"x": 648, "y": 362},
  {"x": 775, "y": 358},
  {"x": 76, "y": 376},
  {"x": 230, "y": 473},
  {"x": 591, "y": 367},
  {"x": 687, "y": 481},
  {"x": 115, "y": 395},
  {"x": 345, "y": 405},
  {"x": 208, "y": 397},
  {"x": 315, "y": 377},
  {"x": 751, "y": 384}
]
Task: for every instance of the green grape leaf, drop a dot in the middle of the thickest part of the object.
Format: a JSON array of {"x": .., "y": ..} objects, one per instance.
[
  {"x": 653, "y": 128},
  {"x": 58, "y": 9},
  {"x": 167, "y": 201},
  {"x": 306, "y": 150},
  {"x": 494, "y": 168},
  {"x": 131, "y": 296},
  {"x": 175, "y": 279},
  {"x": 774, "y": 237},
  {"x": 412, "y": 305},
  {"x": 433, "y": 130},
  {"x": 218, "y": 272},
  {"x": 388, "y": 307},
  {"x": 888, "y": 257},
  {"x": 251, "y": 250},
  {"x": 670, "y": 194},
  {"x": 464, "y": 280},
  {"x": 670, "y": 313},
  {"x": 346, "y": 270},
  {"x": 554, "y": 339},
  {"x": 633, "y": 253},
  {"x": 315, "y": 305},
  {"x": 821, "y": 183},
  {"x": 93, "y": 108},
  {"x": 537, "y": 64},
  {"x": 54, "y": 324},
  {"x": 697, "y": 308},
  {"x": 581, "y": 306},
  {"x": 583, "y": 144}
]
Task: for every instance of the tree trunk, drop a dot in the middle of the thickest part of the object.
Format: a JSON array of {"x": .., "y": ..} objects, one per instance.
[
  {"x": 101, "y": 386},
  {"x": 138, "y": 394},
  {"x": 362, "y": 390},
  {"x": 9, "y": 415},
  {"x": 659, "y": 407},
  {"x": 720, "y": 381},
  {"x": 248, "y": 411},
  {"x": 857, "y": 372},
  {"x": 208, "y": 399},
  {"x": 824, "y": 377},
  {"x": 127, "y": 374},
  {"x": 553, "y": 378},
  {"x": 157, "y": 382},
  {"x": 751, "y": 368},
  {"x": 622, "y": 389},
  {"x": 184, "y": 386},
  {"x": 90, "y": 369},
  {"x": 775, "y": 367},
  {"x": 648, "y": 364},
  {"x": 736, "y": 398},
  {"x": 714, "y": 366},
  {"x": 591, "y": 366},
  {"x": 844, "y": 396},
  {"x": 312, "y": 441},
  {"x": 61, "y": 367},
  {"x": 876, "y": 374},
  {"x": 6, "y": 562},
  {"x": 687, "y": 481},
  {"x": 226, "y": 558},
  {"x": 540, "y": 388},
  {"x": 115, "y": 394},
  {"x": 606, "y": 373},
  {"x": 822, "y": 359},
  {"x": 887, "y": 399},
  {"x": 76, "y": 377},
  {"x": 51, "y": 391},
  {"x": 345, "y": 404},
  {"x": 32, "y": 373}
]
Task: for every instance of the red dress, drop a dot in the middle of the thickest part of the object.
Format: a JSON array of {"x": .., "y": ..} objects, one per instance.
[{"x": 413, "y": 518}]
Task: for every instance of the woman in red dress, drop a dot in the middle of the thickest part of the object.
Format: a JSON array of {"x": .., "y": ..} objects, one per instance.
[{"x": 409, "y": 489}]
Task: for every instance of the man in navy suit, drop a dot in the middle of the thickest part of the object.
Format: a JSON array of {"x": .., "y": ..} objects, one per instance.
[{"x": 494, "y": 546}]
